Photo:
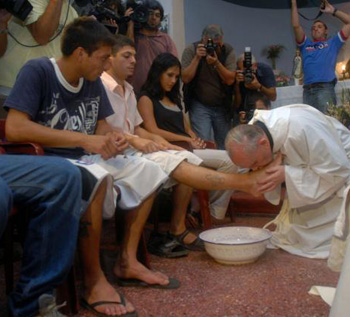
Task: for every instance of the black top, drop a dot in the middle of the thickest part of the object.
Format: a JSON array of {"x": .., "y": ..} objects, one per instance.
[{"x": 167, "y": 119}]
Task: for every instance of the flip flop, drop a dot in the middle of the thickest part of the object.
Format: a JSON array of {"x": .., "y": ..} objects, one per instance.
[
  {"x": 134, "y": 282},
  {"x": 91, "y": 307}
]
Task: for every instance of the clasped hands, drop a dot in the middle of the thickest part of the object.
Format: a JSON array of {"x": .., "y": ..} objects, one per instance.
[{"x": 108, "y": 145}]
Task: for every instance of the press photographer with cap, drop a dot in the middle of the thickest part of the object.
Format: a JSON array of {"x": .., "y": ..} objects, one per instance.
[
  {"x": 253, "y": 81},
  {"x": 37, "y": 35},
  {"x": 208, "y": 70},
  {"x": 319, "y": 56}
]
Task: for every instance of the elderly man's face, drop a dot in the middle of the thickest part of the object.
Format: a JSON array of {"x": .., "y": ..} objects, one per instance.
[{"x": 255, "y": 160}]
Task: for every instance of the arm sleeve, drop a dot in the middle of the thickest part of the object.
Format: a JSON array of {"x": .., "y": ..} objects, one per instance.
[
  {"x": 320, "y": 165},
  {"x": 187, "y": 56},
  {"x": 39, "y": 7},
  {"x": 230, "y": 62},
  {"x": 269, "y": 79},
  {"x": 26, "y": 94}
]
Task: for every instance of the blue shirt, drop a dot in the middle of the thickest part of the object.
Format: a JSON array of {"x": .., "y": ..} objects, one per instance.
[
  {"x": 319, "y": 59},
  {"x": 42, "y": 92}
]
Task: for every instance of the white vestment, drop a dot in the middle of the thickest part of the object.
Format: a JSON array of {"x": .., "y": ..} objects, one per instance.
[{"x": 316, "y": 151}]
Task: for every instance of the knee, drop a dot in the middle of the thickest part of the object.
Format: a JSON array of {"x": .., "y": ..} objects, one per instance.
[{"x": 66, "y": 171}]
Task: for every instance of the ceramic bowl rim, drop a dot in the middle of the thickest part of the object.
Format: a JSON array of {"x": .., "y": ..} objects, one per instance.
[{"x": 268, "y": 232}]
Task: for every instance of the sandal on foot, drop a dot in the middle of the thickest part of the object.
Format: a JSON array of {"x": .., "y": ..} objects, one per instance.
[
  {"x": 91, "y": 307},
  {"x": 196, "y": 245},
  {"x": 167, "y": 248},
  {"x": 133, "y": 282}
]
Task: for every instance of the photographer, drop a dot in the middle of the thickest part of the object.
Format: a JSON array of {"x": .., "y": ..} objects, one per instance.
[
  {"x": 256, "y": 79},
  {"x": 150, "y": 42},
  {"x": 319, "y": 56},
  {"x": 208, "y": 70},
  {"x": 38, "y": 35}
]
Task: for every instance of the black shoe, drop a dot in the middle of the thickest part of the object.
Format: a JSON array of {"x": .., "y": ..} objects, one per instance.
[
  {"x": 196, "y": 245},
  {"x": 166, "y": 246}
]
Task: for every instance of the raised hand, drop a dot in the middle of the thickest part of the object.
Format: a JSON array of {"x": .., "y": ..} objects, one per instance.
[{"x": 328, "y": 7}]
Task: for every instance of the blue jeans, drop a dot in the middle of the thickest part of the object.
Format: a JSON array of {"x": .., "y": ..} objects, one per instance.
[
  {"x": 205, "y": 119},
  {"x": 319, "y": 96},
  {"x": 50, "y": 189},
  {"x": 5, "y": 204}
]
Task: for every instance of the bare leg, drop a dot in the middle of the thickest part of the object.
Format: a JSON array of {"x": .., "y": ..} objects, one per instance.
[
  {"x": 128, "y": 266},
  {"x": 96, "y": 284},
  {"x": 181, "y": 198},
  {"x": 202, "y": 178}
]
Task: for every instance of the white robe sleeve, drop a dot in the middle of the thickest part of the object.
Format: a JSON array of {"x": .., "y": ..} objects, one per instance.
[{"x": 316, "y": 165}]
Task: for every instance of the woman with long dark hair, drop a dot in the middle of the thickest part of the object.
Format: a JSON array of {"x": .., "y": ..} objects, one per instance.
[{"x": 161, "y": 110}]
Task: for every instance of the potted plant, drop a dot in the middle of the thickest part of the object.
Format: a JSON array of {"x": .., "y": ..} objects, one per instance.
[
  {"x": 273, "y": 52},
  {"x": 341, "y": 112}
]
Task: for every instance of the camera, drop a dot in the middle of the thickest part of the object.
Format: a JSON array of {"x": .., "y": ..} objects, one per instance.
[
  {"x": 248, "y": 71},
  {"x": 210, "y": 47},
  {"x": 140, "y": 14},
  {"x": 19, "y": 8},
  {"x": 103, "y": 11},
  {"x": 323, "y": 5}
]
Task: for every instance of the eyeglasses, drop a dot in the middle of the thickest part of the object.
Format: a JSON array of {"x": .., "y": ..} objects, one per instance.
[{"x": 156, "y": 14}]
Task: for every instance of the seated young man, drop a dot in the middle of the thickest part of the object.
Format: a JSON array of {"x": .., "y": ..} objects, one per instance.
[
  {"x": 62, "y": 105},
  {"x": 49, "y": 187},
  {"x": 150, "y": 146}
]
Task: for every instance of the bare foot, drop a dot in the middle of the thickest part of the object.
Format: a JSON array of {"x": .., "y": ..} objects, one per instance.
[
  {"x": 103, "y": 291},
  {"x": 125, "y": 270}
]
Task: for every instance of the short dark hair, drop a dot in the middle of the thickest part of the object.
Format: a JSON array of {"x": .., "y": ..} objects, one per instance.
[
  {"x": 120, "y": 42},
  {"x": 87, "y": 33},
  {"x": 260, "y": 97},
  {"x": 152, "y": 86},
  {"x": 324, "y": 24},
  {"x": 155, "y": 5}
]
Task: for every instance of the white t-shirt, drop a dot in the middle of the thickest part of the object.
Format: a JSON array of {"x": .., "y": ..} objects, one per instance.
[{"x": 17, "y": 55}]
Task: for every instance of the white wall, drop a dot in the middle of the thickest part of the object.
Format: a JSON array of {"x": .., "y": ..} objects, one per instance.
[
  {"x": 175, "y": 11},
  {"x": 256, "y": 28}
]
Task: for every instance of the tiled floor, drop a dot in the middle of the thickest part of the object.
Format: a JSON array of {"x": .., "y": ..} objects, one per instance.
[{"x": 276, "y": 285}]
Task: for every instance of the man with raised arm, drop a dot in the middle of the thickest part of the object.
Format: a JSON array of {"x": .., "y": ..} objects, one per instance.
[{"x": 319, "y": 56}]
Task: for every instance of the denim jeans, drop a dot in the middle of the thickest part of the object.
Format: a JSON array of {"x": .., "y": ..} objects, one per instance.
[
  {"x": 5, "y": 204},
  {"x": 320, "y": 96},
  {"x": 205, "y": 119},
  {"x": 50, "y": 190}
]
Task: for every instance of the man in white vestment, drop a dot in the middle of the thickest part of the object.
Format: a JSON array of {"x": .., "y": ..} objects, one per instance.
[{"x": 315, "y": 170}]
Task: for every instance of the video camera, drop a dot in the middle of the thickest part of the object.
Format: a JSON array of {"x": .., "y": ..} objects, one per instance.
[
  {"x": 248, "y": 71},
  {"x": 210, "y": 47},
  {"x": 103, "y": 11},
  {"x": 19, "y": 8}
]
